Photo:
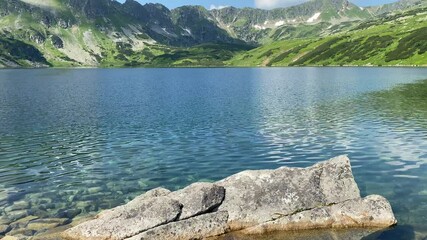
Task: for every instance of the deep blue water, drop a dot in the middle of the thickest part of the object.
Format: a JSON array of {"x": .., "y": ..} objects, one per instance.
[{"x": 91, "y": 139}]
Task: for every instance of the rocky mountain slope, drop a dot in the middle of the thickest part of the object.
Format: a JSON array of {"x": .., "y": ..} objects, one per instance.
[
  {"x": 68, "y": 33},
  {"x": 100, "y": 32},
  {"x": 394, "y": 39},
  {"x": 258, "y": 26},
  {"x": 401, "y": 5}
]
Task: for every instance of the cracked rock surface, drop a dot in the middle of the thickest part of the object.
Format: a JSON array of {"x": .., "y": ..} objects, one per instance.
[
  {"x": 254, "y": 197},
  {"x": 198, "y": 198},
  {"x": 252, "y": 202}
]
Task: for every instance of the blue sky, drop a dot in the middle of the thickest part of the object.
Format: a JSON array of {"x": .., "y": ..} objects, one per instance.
[{"x": 249, "y": 3}]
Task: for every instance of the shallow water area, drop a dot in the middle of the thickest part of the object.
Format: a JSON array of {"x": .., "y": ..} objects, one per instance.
[{"x": 74, "y": 142}]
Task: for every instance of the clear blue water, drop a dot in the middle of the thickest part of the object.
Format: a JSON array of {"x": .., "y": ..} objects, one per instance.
[{"x": 90, "y": 139}]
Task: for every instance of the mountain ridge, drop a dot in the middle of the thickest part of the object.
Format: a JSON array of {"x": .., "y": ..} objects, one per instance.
[
  {"x": 109, "y": 33},
  {"x": 398, "y": 39}
]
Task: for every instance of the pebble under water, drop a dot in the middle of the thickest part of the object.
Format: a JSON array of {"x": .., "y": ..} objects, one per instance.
[{"x": 74, "y": 142}]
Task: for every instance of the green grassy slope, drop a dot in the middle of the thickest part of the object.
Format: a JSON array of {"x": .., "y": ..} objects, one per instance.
[
  {"x": 399, "y": 39},
  {"x": 88, "y": 43},
  {"x": 205, "y": 55},
  {"x": 27, "y": 40},
  {"x": 260, "y": 26}
]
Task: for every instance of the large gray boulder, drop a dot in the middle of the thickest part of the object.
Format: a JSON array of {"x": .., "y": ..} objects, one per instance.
[
  {"x": 324, "y": 196},
  {"x": 157, "y": 192},
  {"x": 128, "y": 221},
  {"x": 159, "y": 207},
  {"x": 198, "y": 198},
  {"x": 254, "y": 197},
  {"x": 372, "y": 212},
  {"x": 203, "y": 226}
]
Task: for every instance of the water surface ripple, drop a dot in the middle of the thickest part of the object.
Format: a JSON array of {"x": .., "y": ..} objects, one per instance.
[{"x": 90, "y": 139}]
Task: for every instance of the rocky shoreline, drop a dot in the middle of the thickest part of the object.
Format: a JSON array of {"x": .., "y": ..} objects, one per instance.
[{"x": 324, "y": 196}]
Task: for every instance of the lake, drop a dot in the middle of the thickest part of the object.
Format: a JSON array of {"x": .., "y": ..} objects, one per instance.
[{"x": 76, "y": 141}]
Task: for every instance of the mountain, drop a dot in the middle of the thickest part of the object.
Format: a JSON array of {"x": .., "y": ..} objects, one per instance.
[
  {"x": 401, "y": 5},
  {"x": 393, "y": 39},
  {"x": 106, "y": 33},
  {"x": 103, "y": 32},
  {"x": 260, "y": 26},
  {"x": 184, "y": 26}
]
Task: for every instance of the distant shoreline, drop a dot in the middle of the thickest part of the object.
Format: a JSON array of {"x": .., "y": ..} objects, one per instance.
[{"x": 201, "y": 67}]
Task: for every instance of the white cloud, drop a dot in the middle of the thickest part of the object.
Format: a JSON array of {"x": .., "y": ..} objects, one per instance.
[
  {"x": 270, "y": 4},
  {"x": 217, "y": 7}
]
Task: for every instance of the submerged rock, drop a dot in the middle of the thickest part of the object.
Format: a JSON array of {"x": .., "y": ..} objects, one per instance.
[
  {"x": 10, "y": 238},
  {"x": 21, "y": 233},
  {"x": 324, "y": 196},
  {"x": 4, "y": 220},
  {"x": 19, "y": 205},
  {"x": 317, "y": 234},
  {"x": 16, "y": 215},
  {"x": 23, "y": 222},
  {"x": 47, "y": 223},
  {"x": 68, "y": 213},
  {"x": 4, "y": 229}
]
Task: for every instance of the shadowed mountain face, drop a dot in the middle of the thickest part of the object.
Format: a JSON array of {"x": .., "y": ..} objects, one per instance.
[{"x": 109, "y": 33}]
